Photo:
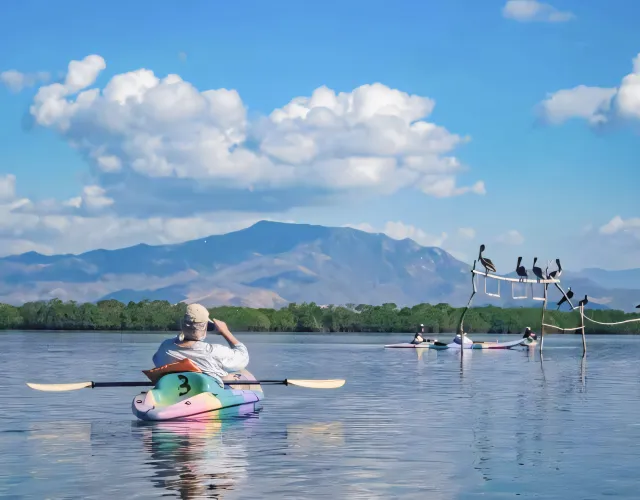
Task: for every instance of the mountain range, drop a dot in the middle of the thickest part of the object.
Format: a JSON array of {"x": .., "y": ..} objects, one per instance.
[{"x": 271, "y": 264}]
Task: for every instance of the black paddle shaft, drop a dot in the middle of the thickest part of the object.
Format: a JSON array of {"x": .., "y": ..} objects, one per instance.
[{"x": 147, "y": 384}]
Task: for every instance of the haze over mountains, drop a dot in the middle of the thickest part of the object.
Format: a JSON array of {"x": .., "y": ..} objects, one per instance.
[{"x": 271, "y": 264}]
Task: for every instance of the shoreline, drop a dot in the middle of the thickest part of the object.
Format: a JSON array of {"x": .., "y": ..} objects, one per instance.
[
  {"x": 162, "y": 316},
  {"x": 244, "y": 332}
]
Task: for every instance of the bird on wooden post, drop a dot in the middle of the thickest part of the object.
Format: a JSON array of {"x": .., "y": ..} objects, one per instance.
[
  {"x": 565, "y": 297},
  {"x": 520, "y": 270},
  {"x": 556, "y": 274},
  {"x": 537, "y": 270},
  {"x": 583, "y": 302},
  {"x": 485, "y": 261}
]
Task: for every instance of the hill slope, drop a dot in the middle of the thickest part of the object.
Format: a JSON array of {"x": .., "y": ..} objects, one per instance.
[{"x": 267, "y": 265}]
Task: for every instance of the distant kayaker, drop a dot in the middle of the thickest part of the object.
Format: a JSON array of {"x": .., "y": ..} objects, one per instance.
[
  {"x": 418, "y": 338},
  {"x": 529, "y": 334},
  {"x": 213, "y": 359}
]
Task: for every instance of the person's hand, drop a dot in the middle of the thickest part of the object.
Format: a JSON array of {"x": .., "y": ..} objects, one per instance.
[
  {"x": 223, "y": 329},
  {"x": 220, "y": 326}
]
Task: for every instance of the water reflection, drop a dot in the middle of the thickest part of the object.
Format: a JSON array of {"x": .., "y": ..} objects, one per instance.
[
  {"x": 313, "y": 436},
  {"x": 400, "y": 428},
  {"x": 199, "y": 458},
  {"x": 465, "y": 360},
  {"x": 40, "y": 452}
]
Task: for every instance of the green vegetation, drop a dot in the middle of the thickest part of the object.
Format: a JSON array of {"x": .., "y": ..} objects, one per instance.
[{"x": 162, "y": 316}]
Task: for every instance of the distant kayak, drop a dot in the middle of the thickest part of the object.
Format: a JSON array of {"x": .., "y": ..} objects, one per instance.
[
  {"x": 190, "y": 394},
  {"x": 409, "y": 345},
  {"x": 469, "y": 344}
]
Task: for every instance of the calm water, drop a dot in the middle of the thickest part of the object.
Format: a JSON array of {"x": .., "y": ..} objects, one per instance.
[{"x": 406, "y": 424}]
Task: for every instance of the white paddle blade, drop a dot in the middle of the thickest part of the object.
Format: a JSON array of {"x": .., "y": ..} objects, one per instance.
[
  {"x": 317, "y": 384},
  {"x": 59, "y": 387}
]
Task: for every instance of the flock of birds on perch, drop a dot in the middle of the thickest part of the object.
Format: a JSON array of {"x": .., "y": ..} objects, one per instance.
[{"x": 537, "y": 271}]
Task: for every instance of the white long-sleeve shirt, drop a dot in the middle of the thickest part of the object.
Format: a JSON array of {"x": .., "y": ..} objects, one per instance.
[{"x": 213, "y": 359}]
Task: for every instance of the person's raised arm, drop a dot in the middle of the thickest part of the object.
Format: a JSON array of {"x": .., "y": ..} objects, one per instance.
[
  {"x": 223, "y": 330},
  {"x": 235, "y": 357}
]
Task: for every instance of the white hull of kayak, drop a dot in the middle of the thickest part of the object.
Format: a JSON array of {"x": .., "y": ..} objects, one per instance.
[
  {"x": 479, "y": 345},
  {"x": 409, "y": 345}
]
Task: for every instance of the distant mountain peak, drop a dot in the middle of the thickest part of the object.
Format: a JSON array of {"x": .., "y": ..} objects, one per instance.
[{"x": 265, "y": 264}]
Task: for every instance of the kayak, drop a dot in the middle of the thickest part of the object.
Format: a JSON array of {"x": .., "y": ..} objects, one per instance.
[
  {"x": 469, "y": 344},
  {"x": 529, "y": 342},
  {"x": 188, "y": 394},
  {"x": 409, "y": 345}
]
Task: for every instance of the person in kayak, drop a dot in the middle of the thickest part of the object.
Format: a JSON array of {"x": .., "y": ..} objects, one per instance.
[
  {"x": 418, "y": 338},
  {"x": 213, "y": 359},
  {"x": 529, "y": 334}
]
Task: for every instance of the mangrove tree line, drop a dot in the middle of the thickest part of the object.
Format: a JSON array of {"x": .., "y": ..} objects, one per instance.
[{"x": 307, "y": 317}]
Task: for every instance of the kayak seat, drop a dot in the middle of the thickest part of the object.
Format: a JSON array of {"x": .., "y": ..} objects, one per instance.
[
  {"x": 184, "y": 365},
  {"x": 175, "y": 387},
  {"x": 437, "y": 342}
]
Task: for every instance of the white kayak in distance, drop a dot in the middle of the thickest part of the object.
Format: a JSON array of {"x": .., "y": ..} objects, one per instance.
[
  {"x": 409, "y": 345},
  {"x": 470, "y": 344}
]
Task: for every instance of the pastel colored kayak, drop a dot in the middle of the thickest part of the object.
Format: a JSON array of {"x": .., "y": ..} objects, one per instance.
[{"x": 185, "y": 395}]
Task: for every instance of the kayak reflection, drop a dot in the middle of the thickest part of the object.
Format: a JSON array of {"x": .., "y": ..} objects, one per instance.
[{"x": 200, "y": 457}]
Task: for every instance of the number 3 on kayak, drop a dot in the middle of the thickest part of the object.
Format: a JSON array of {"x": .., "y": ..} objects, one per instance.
[{"x": 185, "y": 385}]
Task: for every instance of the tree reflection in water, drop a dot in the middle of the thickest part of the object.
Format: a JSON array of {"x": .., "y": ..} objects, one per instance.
[{"x": 199, "y": 458}]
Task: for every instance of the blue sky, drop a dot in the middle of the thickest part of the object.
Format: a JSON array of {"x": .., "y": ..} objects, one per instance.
[{"x": 549, "y": 173}]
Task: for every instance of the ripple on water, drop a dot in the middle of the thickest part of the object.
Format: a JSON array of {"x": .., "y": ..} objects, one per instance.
[{"x": 406, "y": 424}]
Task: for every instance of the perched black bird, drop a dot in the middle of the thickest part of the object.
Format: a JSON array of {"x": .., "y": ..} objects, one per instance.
[
  {"x": 565, "y": 297},
  {"x": 638, "y": 306},
  {"x": 537, "y": 270},
  {"x": 486, "y": 262},
  {"x": 520, "y": 270},
  {"x": 583, "y": 302},
  {"x": 556, "y": 274}
]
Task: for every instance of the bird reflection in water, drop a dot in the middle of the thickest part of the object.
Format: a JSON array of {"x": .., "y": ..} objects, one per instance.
[{"x": 199, "y": 458}]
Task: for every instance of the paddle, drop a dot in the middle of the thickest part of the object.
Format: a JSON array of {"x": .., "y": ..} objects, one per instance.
[{"x": 310, "y": 384}]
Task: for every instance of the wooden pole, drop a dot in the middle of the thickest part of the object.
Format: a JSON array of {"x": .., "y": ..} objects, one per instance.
[
  {"x": 584, "y": 340},
  {"x": 461, "y": 322},
  {"x": 544, "y": 307}
]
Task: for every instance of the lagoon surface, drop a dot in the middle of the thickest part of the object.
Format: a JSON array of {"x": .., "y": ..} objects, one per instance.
[{"x": 407, "y": 424}]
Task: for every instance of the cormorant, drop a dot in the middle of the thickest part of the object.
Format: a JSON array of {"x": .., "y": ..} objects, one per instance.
[
  {"x": 520, "y": 270},
  {"x": 583, "y": 302},
  {"x": 565, "y": 297},
  {"x": 486, "y": 262}
]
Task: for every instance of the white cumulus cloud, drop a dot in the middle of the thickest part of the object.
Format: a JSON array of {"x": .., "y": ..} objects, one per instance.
[
  {"x": 613, "y": 245},
  {"x": 532, "y": 10},
  {"x": 597, "y": 105},
  {"x": 455, "y": 243},
  {"x": 400, "y": 231},
  {"x": 467, "y": 233},
  {"x": 7, "y": 187},
  {"x": 373, "y": 138},
  {"x": 589, "y": 103},
  {"x": 43, "y": 227},
  {"x": 511, "y": 237},
  {"x": 16, "y": 81},
  {"x": 617, "y": 224}
]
